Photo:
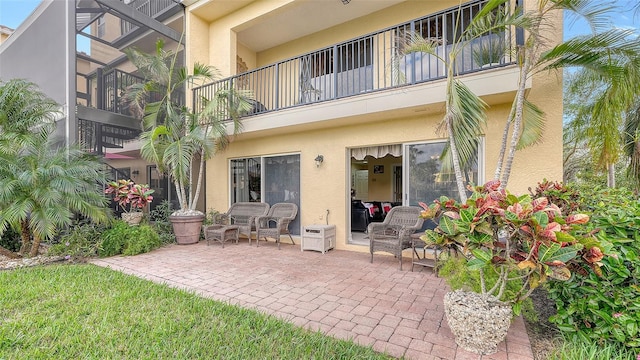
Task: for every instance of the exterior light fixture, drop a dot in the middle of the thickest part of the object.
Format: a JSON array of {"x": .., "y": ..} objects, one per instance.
[
  {"x": 345, "y": 1},
  {"x": 319, "y": 159}
]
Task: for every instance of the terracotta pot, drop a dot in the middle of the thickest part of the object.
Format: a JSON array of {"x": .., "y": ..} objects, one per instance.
[
  {"x": 479, "y": 322},
  {"x": 132, "y": 218},
  {"x": 187, "y": 228}
]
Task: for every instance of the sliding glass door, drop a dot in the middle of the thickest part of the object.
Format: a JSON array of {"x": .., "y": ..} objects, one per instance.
[
  {"x": 270, "y": 179},
  {"x": 424, "y": 177}
]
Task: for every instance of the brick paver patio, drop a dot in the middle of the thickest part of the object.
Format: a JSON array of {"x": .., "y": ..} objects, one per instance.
[{"x": 339, "y": 293}]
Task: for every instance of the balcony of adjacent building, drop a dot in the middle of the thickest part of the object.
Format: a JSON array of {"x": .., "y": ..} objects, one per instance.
[
  {"x": 372, "y": 75},
  {"x": 105, "y": 120}
]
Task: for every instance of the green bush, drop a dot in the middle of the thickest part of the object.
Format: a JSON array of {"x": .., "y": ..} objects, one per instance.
[
  {"x": 128, "y": 240},
  {"x": 143, "y": 239},
  {"x": 605, "y": 308},
  {"x": 10, "y": 240},
  {"x": 79, "y": 241},
  {"x": 162, "y": 225}
]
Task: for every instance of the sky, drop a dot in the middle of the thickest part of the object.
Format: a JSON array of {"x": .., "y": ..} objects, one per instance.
[{"x": 13, "y": 12}]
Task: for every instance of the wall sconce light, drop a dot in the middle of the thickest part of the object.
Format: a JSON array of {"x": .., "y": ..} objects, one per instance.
[
  {"x": 319, "y": 159},
  {"x": 345, "y": 2},
  {"x": 135, "y": 172}
]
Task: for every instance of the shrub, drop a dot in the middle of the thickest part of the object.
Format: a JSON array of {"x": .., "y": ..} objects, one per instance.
[
  {"x": 10, "y": 240},
  {"x": 128, "y": 240},
  {"x": 79, "y": 241},
  {"x": 605, "y": 307},
  {"x": 113, "y": 239},
  {"x": 143, "y": 239},
  {"x": 162, "y": 225},
  {"x": 513, "y": 243}
]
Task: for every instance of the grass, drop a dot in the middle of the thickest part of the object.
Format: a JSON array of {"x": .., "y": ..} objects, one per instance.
[
  {"x": 88, "y": 312},
  {"x": 579, "y": 350}
]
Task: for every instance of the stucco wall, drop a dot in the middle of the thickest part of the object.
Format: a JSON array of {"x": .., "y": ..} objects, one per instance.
[{"x": 328, "y": 186}]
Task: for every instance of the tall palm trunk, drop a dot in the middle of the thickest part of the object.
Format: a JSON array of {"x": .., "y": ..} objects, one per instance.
[
  {"x": 456, "y": 162},
  {"x": 517, "y": 121},
  {"x": 503, "y": 143},
  {"x": 448, "y": 120},
  {"x": 611, "y": 175},
  {"x": 200, "y": 176}
]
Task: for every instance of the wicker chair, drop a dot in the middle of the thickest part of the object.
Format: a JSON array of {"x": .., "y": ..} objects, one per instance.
[
  {"x": 393, "y": 235},
  {"x": 276, "y": 222},
  {"x": 242, "y": 214}
]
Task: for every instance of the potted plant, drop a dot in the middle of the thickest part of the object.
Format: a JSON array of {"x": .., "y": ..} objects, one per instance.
[
  {"x": 177, "y": 139},
  {"x": 489, "y": 52},
  {"x": 131, "y": 197},
  {"x": 509, "y": 245}
]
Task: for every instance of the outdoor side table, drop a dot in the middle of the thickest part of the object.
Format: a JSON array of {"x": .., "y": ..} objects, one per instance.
[
  {"x": 318, "y": 238},
  {"x": 221, "y": 233},
  {"x": 422, "y": 259}
]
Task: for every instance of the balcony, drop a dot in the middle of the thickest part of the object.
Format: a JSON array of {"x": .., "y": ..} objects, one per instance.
[
  {"x": 152, "y": 8},
  {"x": 368, "y": 64}
]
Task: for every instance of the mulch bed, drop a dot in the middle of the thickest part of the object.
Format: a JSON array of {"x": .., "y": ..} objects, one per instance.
[{"x": 544, "y": 335}]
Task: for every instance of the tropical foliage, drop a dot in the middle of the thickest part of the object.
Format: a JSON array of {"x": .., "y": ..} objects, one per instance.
[
  {"x": 604, "y": 306},
  {"x": 131, "y": 197},
  {"x": 43, "y": 185},
  {"x": 507, "y": 238},
  {"x": 464, "y": 119},
  {"x": 174, "y": 137},
  {"x": 128, "y": 240}
]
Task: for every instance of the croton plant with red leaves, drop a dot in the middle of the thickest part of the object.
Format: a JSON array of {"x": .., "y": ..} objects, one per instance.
[
  {"x": 130, "y": 196},
  {"x": 517, "y": 237}
]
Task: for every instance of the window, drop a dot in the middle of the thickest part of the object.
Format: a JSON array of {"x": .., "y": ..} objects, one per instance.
[{"x": 270, "y": 179}]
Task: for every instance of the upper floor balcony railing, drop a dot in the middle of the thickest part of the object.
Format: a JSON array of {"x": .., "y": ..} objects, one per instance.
[
  {"x": 373, "y": 62},
  {"x": 150, "y": 8}
]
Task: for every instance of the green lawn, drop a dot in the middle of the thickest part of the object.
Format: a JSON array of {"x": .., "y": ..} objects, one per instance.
[{"x": 88, "y": 312}]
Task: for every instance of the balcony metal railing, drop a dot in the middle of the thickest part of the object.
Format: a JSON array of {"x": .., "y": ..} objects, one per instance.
[
  {"x": 369, "y": 63},
  {"x": 150, "y": 8},
  {"x": 111, "y": 92}
]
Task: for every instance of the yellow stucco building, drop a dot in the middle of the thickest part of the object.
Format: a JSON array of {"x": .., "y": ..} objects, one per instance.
[{"x": 331, "y": 81}]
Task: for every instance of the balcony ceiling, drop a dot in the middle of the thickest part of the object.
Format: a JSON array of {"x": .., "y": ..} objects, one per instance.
[{"x": 292, "y": 20}]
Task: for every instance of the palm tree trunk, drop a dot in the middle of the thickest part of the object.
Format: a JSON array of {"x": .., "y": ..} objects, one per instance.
[
  {"x": 35, "y": 246},
  {"x": 517, "y": 122},
  {"x": 503, "y": 143},
  {"x": 25, "y": 236},
  {"x": 200, "y": 176},
  {"x": 611, "y": 176},
  {"x": 456, "y": 162}
]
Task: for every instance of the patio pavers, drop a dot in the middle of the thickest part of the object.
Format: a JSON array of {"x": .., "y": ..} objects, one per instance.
[{"x": 339, "y": 293}]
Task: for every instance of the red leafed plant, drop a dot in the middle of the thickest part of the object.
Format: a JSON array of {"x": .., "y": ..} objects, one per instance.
[
  {"x": 131, "y": 197},
  {"x": 509, "y": 238}
]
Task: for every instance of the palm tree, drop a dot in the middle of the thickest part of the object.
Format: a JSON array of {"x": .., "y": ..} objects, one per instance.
[
  {"x": 42, "y": 186},
  {"x": 465, "y": 113},
  {"x": 611, "y": 94},
  {"x": 631, "y": 143},
  {"x": 173, "y": 136}
]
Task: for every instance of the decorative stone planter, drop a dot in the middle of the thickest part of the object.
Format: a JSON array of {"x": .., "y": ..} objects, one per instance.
[
  {"x": 479, "y": 322},
  {"x": 187, "y": 228},
  {"x": 132, "y": 218}
]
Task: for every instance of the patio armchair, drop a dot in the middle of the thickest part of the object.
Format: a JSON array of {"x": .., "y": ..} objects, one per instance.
[
  {"x": 276, "y": 222},
  {"x": 243, "y": 215},
  {"x": 393, "y": 235}
]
